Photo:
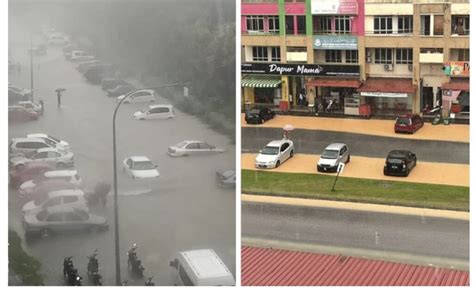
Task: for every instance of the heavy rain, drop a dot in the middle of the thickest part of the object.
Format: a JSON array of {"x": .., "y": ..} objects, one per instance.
[{"x": 172, "y": 65}]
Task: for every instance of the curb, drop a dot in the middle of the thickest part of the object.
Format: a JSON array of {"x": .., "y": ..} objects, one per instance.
[{"x": 413, "y": 211}]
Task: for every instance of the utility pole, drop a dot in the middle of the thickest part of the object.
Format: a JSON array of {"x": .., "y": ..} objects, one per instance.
[{"x": 31, "y": 65}]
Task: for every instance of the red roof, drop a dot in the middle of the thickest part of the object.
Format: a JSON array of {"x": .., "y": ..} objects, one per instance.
[
  {"x": 273, "y": 267},
  {"x": 335, "y": 83},
  {"x": 388, "y": 85},
  {"x": 461, "y": 85}
]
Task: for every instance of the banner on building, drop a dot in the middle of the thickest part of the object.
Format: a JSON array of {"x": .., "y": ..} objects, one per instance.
[
  {"x": 457, "y": 69},
  {"x": 333, "y": 7},
  {"x": 330, "y": 42},
  {"x": 300, "y": 69}
]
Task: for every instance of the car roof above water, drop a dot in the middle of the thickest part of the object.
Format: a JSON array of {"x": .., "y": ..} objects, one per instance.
[{"x": 335, "y": 146}]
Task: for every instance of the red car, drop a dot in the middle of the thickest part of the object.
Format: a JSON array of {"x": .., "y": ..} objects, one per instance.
[
  {"x": 408, "y": 123},
  {"x": 29, "y": 172},
  {"x": 19, "y": 113}
]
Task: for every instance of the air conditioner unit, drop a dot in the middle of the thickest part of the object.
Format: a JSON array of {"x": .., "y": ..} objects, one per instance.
[
  {"x": 369, "y": 60},
  {"x": 410, "y": 68},
  {"x": 388, "y": 67}
]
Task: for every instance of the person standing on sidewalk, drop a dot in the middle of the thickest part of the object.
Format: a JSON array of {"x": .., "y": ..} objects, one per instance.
[
  {"x": 59, "y": 98},
  {"x": 290, "y": 97}
]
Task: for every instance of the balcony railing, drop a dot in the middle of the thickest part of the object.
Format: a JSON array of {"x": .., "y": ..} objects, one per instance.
[
  {"x": 392, "y": 33},
  {"x": 259, "y": 32},
  {"x": 329, "y": 32}
]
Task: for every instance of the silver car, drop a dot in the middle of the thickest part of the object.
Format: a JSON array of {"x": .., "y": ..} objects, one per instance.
[
  {"x": 332, "y": 156},
  {"x": 275, "y": 153},
  {"x": 192, "y": 147}
]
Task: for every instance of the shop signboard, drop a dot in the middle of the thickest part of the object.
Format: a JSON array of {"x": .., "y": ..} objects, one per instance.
[
  {"x": 457, "y": 69},
  {"x": 333, "y": 7},
  {"x": 332, "y": 42},
  {"x": 300, "y": 69},
  {"x": 384, "y": 94}
]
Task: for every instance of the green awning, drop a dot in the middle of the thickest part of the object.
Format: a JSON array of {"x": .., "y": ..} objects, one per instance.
[{"x": 260, "y": 81}]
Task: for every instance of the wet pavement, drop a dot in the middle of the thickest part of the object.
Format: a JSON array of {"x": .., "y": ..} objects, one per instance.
[{"x": 181, "y": 210}]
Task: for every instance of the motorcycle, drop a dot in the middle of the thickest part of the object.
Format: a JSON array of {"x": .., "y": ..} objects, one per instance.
[
  {"x": 68, "y": 265},
  {"x": 96, "y": 279},
  {"x": 149, "y": 282},
  {"x": 73, "y": 278},
  {"x": 93, "y": 264},
  {"x": 134, "y": 264}
]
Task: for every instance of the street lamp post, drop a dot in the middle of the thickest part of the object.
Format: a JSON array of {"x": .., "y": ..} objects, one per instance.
[
  {"x": 118, "y": 280},
  {"x": 31, "y": 65}
]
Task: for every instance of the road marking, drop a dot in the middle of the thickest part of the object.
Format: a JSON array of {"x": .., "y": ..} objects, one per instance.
[
  {"x": 396, "y": 257},
  {"x": 401, "y": 210},
  {"x": 372, "y": 168}
]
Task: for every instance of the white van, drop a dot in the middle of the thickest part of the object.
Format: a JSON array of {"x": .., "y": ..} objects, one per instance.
[
  {"x": 201, "y": 268},
  {"x": 155, "y": 112}
]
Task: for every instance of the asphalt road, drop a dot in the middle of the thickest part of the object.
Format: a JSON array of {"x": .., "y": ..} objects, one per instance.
[
  {"x": 182, "y": 210},
  {"x": 431, "y": 237},
  {"x": 314, "y": 142}
]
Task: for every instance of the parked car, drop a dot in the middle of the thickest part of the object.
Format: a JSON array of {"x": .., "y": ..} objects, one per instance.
[
  {"x": 68, "y": 49},
  {"x": 409, "y": 123},
  {"x": 26, "y": 145},
  {"x": 192, "y": 147},
  {"x": 274, "y": 154},
  {"x": 29, "y": 172},
  {"x": 80, "y": 56},
  {"x": 155, "y": 112},
  {"x": 140, "y": 168},
  {"x": 120, "y": 90},
  {"x": 226, "y": 179},
  {"x": 399, "y": 163},
  {"x": 83, "y": 66},
  {"x": 111, "y": 83},
  {"x": 259, "y": 115},
  {"x": 71, "y": 197},
  {"x": 61, "y": 219},
  {"x": 29, "y": 105},
  {"x": 19, "y": 113},
  {"x": 70, "y": 176},
  {"x": 95, "y": 73},
  {"x": 57, "y": 39},
  {"x": 39, "y": 50},
  {"x": 53, "y": 156},
  {"x": 16, "y": 94},
  {"x": 58, "y": 143},
  {"x": 144, "y": 95},
  {"x": 332, "y": 156},
  {"x": 46, "y": 186}
]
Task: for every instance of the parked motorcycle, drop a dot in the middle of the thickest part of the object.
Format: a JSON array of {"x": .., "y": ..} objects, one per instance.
[
  {"x": 73, "y": 278},
  {"x": 96, "y": 279},
  {"x": 134, "y": 264},
  {"x": 68, "y": 265},
  {"x": 149, "y": 282},
  {"x": 93, "y": 264}
]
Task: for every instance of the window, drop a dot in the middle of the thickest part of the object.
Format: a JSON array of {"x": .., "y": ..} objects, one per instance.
[
  {"x": 42, "y": 155},
  {"x": 460, "y": 25},
  {"x": 405, "y": 24},
  {"x": 284, "y": 147},
  {"x": 438, "y": 25},
  {"x": 204, "y": 146},
  {"x": 301, "y": 24},
  {"x": 323, "y": 24},
  {"x": 273, "y": 24},
  {"x": 383, "y": 25},
  {"x": 463, "y": 55},
  {"x": 70, "y": 199},
  {"x": 289, "y": 24},
  {"x": 425, "y": 24},
  {"x": 55, "y": 217},
  {"x": 72, "y": 217},
  {"x": 184, "y": 277},
  {"x": 383, "y": 56},
  {"x": 333, "y": 56},
  {"x": 343, "y": 24},
  {"x": 404, "y": 56},
  {"x": 352, "y": 56},
  {"x": 52, "y": 202},
  {"x": 276, "y": 54},
  {"x": 255, "y": 23},
  {"x": 53, "y": 155},
  {"x": 192, "y": 146},
  {"x": 260, "y": 53}
]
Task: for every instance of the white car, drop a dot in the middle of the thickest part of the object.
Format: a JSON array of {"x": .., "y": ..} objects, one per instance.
[
  {"x": 140, "y": 168},
  {"x": 80, "y": 56},
  {"x": 155, "y": 112},
  {"x": 192, "y": 147},
  {"x": 70, "y": 176},
  {"x": 31, "y": 106},
  {"x": 60, "y": 144},
  {"x": 56, "y": 157},
  {"x": 144, "y": 95},
  {"x": 274, "y": 154},
  {"x": 73, "y": 198}
]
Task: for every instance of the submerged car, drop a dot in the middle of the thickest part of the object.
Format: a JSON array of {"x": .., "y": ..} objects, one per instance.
[
  {"x": 18, "y": 94},
  {"x": 110, "y": 83},
  {"x": 259, "y": 115},
  {"x": 56, "y": 157},
  {"x": 31, "y": 106},
  {"x": 155, "y": 112},
  {"x": 192, "y": 147},
  {"x": 28, "y": 172},
  {"x": 120, "y": 90},
  {"x": 61, "y": 219},
  {"x": 46, "y": 186},
  {"x": 144, "y": 95},
  {"x": 226, "y": 179},
  {"x": 70, "y": 176},
  {"x": 274, "y": 154},
  {"x": 332, "y": 156},
  {"x": 58, "y": 143},
  {"x": 399, "y": 163},
  {"x": 70, "y": 197},
  {"x": 408, "y": 123},
  {"x": 19, "y": 113},
  {"x": 140, "y": 168}
]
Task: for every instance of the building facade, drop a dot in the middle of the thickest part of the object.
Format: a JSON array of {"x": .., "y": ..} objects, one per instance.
[{"x": 394, "y": 56}]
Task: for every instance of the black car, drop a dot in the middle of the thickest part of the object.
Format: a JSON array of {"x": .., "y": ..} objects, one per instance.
[
  {"x": 259, "y": 115},
  {"x": 120, "y": 90},
  {"x": 109, "y": 84},
  {"x": 399, "y": 163},
  {"x": 96, "y": 73}
]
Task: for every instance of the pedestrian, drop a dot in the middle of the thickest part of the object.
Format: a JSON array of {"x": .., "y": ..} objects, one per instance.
[
  {"x": 301, "y": 99},
  {"x": 42, "y": 105},
  {"x": 290, "y": 97},
  {"x": 102, "y": 190},
  {"x": 59, "y": 98}
]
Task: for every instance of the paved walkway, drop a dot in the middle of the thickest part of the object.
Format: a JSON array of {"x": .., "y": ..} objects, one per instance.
[
  {"x": 453, "y": 132},
  {"x": 356, "y": 206},
  {"x": 372, "y": 168}
]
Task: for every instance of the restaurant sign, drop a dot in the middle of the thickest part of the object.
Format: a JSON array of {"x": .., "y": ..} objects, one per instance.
[
  {"x": 300, "y": 69},
  {"x": 333, "y": 7},
  {"x": 384, "y": 94},
  {"x": 340, "y": 42}
]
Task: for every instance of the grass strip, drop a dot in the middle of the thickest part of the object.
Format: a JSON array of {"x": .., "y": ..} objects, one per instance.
[
  {"x": 316, "y": 186},
  {"x": 21, "y": 264}
]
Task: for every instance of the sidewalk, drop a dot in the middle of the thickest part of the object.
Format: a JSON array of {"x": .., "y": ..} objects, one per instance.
[
  {"x": 452, "y": 132},
  {"x": 372, "y": 168}
]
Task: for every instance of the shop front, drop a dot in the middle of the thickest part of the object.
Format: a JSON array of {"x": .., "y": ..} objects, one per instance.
[
  {"x": 335, "y": 95},
  {"x": 388, "y": 96},
  {"x": 456, "y": 97},
  {"x": 261, "y": 90}
]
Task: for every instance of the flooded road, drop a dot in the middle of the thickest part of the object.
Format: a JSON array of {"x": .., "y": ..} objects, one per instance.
[{"x": 183, "y": 209}]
